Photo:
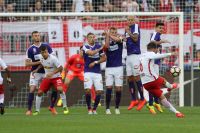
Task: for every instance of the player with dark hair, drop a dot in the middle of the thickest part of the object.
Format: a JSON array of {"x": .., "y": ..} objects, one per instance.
[
  {"x": 93, "y": 56},
  {"x": 33, "y": 54},
  {"x": 52, "y": 77},
  {"x": 151, "y": 80}
]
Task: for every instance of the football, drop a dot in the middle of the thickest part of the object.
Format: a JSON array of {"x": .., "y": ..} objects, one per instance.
[{"x": 175, "y": 71}]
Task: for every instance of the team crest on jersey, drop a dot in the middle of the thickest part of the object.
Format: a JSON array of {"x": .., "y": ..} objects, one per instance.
[{"x": 34, "y": 50}]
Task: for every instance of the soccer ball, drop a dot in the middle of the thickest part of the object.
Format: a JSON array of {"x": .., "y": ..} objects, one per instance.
[{"x": 175, "y": 71}]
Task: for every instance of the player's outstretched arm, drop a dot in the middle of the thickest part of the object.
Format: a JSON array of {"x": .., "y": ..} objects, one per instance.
[
  {"x": 28, "y": 62},
  {"x": 159, "y": 56},
  {"x": 160, "y": 42}
]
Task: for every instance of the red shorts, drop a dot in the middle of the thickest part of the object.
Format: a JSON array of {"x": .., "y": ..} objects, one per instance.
[
  {"x": 71, "y": 75},
  {"x": 154, "y": 87},
  {"x": 1, "y": 89},
  {"x": 46, "y": 84}
]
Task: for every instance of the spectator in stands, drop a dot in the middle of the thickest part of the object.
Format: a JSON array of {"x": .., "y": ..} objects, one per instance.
[
  {"x": 166, "y": 5},
  {"x": 78, "y": 5},
  {"x": 37, "y": 9},
  {"x": 98, "y": 5},
  {"x": 10, "y": 8},
  {"x": 108, "y": 6},
  {"x": 130, "y": 6},
  {"x": 2, "y": 6},
  {"x": 146, "y": 5},
  {"x": 197, "y": 11},
  {"x": 87, "y": 6}
]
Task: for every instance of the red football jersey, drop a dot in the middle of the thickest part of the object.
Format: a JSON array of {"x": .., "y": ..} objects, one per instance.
[{"x": 75, "y": 63}]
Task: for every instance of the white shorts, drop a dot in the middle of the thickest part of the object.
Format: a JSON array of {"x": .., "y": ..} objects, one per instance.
[
  {"x": 114, "y": 74},
  {"x": 36, "y": 78},
  {"x": 93, "y": 79},
  {"x": 133, "y": 65}
]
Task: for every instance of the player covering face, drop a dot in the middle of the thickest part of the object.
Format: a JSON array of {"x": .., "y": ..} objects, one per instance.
[{"x": 114, "y": 68}]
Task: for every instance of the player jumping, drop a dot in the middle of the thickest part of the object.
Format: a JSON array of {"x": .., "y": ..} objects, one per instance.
[{"x": 132, "y": 33}]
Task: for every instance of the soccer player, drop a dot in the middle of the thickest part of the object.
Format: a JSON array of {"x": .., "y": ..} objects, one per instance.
[
  {"x": 53, "y": 71},
  {"x": 114, "y": 68},
  {"x": 32, "y": 60},
  {"x": 132, "y": 33},
  {"x": 4, "y": 66},
  {"x": 156, "y": 38},
  {"x": 75, "y": 68},
  {"x": 93, "y": 56},
  {"x": 151, "y": 80}
]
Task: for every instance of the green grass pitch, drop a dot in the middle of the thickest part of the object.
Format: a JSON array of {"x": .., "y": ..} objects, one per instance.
[{"x": 78, "y": 121}]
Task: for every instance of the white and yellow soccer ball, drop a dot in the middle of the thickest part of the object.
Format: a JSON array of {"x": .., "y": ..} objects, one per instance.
[{"x": 175, "y": 71}]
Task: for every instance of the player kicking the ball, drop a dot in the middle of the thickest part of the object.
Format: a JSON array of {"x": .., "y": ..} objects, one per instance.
[
  {"x": 151, "y": 80},
  {"x": 53, "y": 71}
]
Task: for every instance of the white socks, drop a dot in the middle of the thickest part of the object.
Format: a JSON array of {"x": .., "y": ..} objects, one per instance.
[
  {"x": 1, "y": 98},
  {"x": 167, "y": 104},
  {"x": 38, "y": 103},
  {"x": 168, "y": 85},
  {"x": 64, "y": 101}
]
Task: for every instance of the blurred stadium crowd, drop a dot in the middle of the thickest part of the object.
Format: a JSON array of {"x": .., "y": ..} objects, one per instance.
[{"x": 102, "y": 6}]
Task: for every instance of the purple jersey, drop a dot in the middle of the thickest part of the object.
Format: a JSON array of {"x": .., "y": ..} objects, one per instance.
[
  {"x": 156, "y": 37},
  {"x": 33, "y": 53},
  {"x": 89, "y": 59},
  {"x": 114, "y": 54},
  {"x": 133, "y": 47}
]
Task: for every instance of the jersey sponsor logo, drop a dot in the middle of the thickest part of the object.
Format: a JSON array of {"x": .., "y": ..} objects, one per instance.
[
  {"x": 34, "y": 50},
  {"x": 95, "y": 56},
  {"x": 37, "y": 56},
  {"x": 113, "y": 48}
]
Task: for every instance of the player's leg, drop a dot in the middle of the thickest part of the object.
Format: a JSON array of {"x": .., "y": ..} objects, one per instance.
[
  {"x": 157, "y": 104},
  {"x": 98, "y": 84},
  {"x": 150, "y": 104},
  {"x": 93, "y": 94},
  {"x": 136, "y": 73},
  {"x": 87, "y": 86},
  {"x": 118, "y": 87},
  {"x": 130, "y": 79},
  {"x": 158, "y": 93},
  {"x": 44, "y": 87},
  {"x": 1, "y": 97},
  {"x": 33, "y": 83},
  {"x": 109, "y": 85},
  {"x": 69, "y": 77},
  {"x": 60, "y": 87}
]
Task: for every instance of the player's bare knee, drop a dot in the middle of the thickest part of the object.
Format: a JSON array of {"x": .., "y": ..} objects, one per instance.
[
  {"x": 40, "y": 93},
  {"x": 32, "y": 89},
  {"x": 98, "y": 92},
  {"x": 118, "y": 88},
  {"x": 87, "y": 91},
  {"x": 162, "y": 97},
  {"x": 67, "y": 81},
  {"x": 137, "y": 78},
  {"x": 60, "y": 89},
  {"x": 109, "y": 87}
]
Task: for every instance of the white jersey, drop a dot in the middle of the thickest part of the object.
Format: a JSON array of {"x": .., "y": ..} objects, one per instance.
[
  {"x": 148, "y": 72},
  {"x": 4, "y": 66},
  {"x": 50, "y": 64}
]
